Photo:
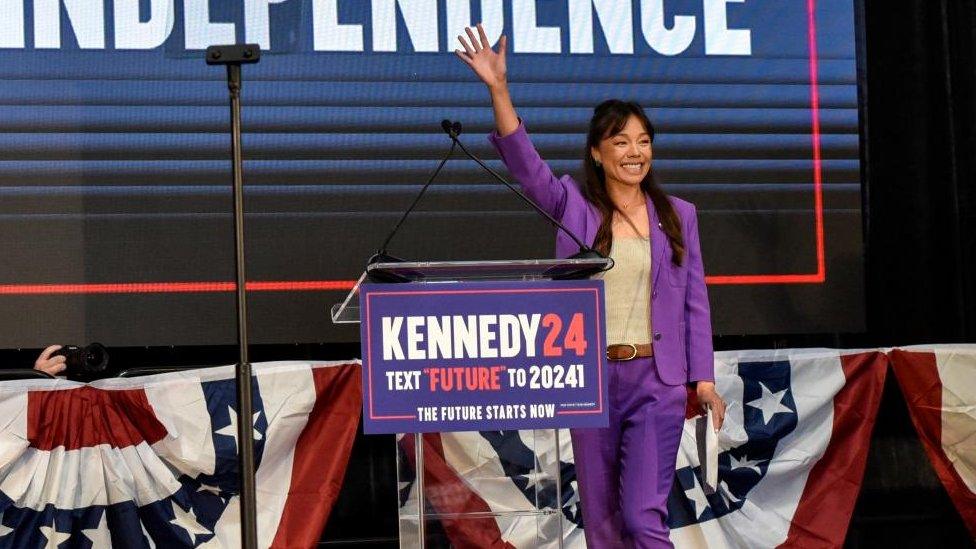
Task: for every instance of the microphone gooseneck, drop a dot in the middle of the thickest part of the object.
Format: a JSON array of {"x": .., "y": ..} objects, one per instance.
[
  {"x": 454, "y": 128},
  {"x": 381, "y": 256}
]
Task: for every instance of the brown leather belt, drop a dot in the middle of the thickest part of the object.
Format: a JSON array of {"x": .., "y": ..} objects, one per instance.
[{"x": 629, "y": 351}]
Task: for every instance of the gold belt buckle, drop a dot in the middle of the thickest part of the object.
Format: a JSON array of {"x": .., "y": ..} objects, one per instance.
[{"x": 632, "y": 347}]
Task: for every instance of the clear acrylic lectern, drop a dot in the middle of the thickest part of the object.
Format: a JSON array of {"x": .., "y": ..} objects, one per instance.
[{"x": 478, "y": 486}]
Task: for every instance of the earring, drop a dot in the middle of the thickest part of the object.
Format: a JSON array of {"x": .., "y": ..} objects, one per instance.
[{"x": 598, "y": 163}]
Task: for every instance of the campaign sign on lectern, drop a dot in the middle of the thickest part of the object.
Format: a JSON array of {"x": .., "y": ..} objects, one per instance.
[{"x": 483, "y": 356}]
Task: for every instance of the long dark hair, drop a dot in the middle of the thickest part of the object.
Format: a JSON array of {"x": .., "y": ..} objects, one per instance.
[{"x": 609, "y": 118}]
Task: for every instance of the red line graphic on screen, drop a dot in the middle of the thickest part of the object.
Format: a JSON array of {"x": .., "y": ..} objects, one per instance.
[
  {"x": 817, "y": 277},
  {"x": 821, "y": 275},
  {"x": 175, "y": 287}
]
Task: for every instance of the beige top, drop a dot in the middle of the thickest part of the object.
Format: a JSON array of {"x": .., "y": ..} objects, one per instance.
[{"x": 627, "y": 289}]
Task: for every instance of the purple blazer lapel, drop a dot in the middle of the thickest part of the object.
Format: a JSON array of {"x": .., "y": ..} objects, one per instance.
[{"x": 658, "y": 242}]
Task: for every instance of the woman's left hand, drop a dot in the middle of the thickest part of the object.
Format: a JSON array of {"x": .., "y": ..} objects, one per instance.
[{"x": 709, "y": 398}]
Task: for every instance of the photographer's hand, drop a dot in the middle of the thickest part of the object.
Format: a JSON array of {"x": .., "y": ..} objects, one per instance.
[{"x": 48, "y": 365}]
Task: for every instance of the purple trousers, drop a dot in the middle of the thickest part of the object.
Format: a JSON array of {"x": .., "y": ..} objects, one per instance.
[{"x": 624, "y": 472}]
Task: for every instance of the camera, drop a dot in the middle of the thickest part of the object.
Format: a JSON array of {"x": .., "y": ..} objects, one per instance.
[{"x": 84, "y": 362}]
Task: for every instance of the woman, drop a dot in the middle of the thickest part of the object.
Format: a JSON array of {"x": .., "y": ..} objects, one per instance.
[{"x": 658, "y": 324}]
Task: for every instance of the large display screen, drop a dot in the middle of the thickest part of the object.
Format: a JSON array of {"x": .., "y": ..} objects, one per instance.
[{"x": 115, "y": 174}]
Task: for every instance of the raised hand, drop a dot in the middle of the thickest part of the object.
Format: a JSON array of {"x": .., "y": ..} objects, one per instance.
[{"x": 488, "y": 64}]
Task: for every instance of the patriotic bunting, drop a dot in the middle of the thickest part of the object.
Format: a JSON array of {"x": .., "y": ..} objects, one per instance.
[{"x": 152, "y": 461}]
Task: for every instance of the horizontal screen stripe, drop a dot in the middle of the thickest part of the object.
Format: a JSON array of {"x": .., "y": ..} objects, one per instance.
[
  {"x": 162, "y": 172},
  {"x": 432, "y": 68},
  {"x": 281, "y": 147},
  {"x": 369, "y": 198},
  {"x": 373, "y": 191},
  {"x": 470, "y": 94},
  {"x": 307, "y": 285},
  {"x": 477, "y": 121},
  {"x": 376, "y": 215},
  {"x": 338, "y": 214}
]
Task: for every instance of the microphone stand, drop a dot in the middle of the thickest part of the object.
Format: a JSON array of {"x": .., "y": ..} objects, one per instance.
[
  {"x": 453, "y": 130},
  {"x": 233, "y": 56},
  {"x": 381, "y": 256}
]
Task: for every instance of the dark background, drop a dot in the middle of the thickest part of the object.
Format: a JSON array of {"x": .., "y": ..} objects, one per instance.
[{"x": 919, "y": 113}]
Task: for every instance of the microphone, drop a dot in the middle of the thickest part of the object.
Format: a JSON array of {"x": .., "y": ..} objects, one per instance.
[{"x": 453, "y": 129}]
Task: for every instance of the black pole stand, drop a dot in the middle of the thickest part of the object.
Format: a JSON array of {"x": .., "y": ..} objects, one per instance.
[{"x": 234, "y": 56}]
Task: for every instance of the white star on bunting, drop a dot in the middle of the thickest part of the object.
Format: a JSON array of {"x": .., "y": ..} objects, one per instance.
[
  {"x": 696, "y": 496},
  {"x": 532, "y": 479},
  {"x": 187, "y": 520},
  {"x": 231, "y": 430},
  {"x": 99, "y": 535},
  {"x": 745, "y": 463},
  {"x": 53, "y": 537},
  {"x": 770, "y": 403}
]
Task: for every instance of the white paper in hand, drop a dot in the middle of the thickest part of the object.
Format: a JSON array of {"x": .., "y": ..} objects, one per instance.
[{"x": 707, "y": 441}]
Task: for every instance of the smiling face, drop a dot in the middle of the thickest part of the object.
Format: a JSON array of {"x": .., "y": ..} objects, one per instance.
[{"x": 625, "y": 156}]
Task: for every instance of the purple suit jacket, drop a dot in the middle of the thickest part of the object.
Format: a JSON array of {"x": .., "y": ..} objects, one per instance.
[{"x": 679, "y": 311}]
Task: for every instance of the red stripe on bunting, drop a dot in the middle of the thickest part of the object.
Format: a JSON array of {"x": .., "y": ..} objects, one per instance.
[
  {"x": 321, "y": 455},
  {"x": 824, "y": 513},
  {"x": 447, "y": 493},
  {"x": 918, "y": 376},
  {"x": 85, "y": 416}
]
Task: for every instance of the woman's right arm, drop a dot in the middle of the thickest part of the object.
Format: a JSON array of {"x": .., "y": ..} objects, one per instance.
[{"x": 510, "y": 138}]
